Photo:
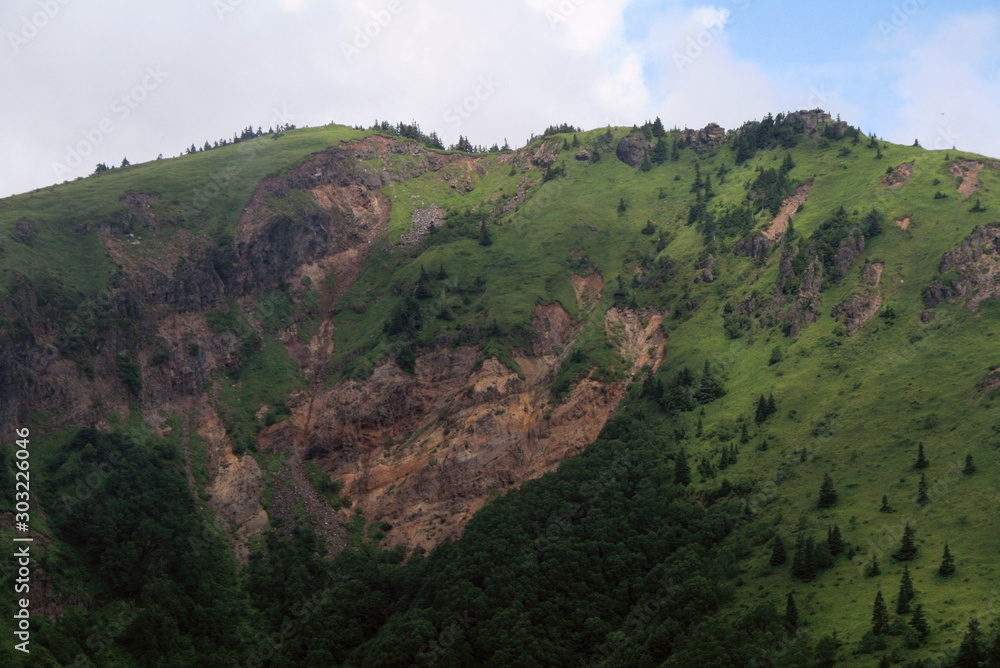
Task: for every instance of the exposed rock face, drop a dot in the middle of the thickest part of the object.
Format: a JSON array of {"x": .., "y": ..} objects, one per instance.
[
  {"x": 990, "y": 381},
  {"x": 423, "y": 452},
  {"x": 788, "y": 208},
  {"x": 858, "y": 309},
  {"x": 849, "y": 249},
  {"x": 753, "y": 245},
  {"x": 871, "y": 273},
  {"x": 421, "y": 223},
  {"x": 966, "y": 173},
  {"x": 583, "y": 155},
  {"x": 899, "y": 176},
  {"x": 709, "y": 137},
  {"x": 977, "y": 263},
  {"x": 632, "y": 149}
]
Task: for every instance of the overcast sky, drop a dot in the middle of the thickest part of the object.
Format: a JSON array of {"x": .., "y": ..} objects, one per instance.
[{"x": 88, "y": 81}]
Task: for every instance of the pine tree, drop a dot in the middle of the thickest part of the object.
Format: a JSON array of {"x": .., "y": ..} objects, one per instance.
[
  {"x": 827, "y": 494},
  {"x": 803, "y": 564},
  {"x": 906, "y": 592},
  {"x": 880, "y": 616},
  {"x": 993, "y": 656},
  {"x": 622, "y": 206},
  {"x": 970, "y": 654},
  {"x": 907, "y": 549},
  {"x": 761, "y": 415},
  {"x": 970, "y": 466},
  {"x": 646, "y": 163},
  {"x": 886, "y": 508},
  {"x": 576, "y": 141},
  {"x": 442, "y": 274},
  {"x": 919, "y": 622},
  {"x": 485, "y": 239},
  {"x": 658, "y": 129},
  {"x": 778, "y": 555},
  {"x": 921, "y": 462},
  {"x": 947, "y": 567},
  {"x": 872, "y": 569},
  {"x": 822, "y": 557},
  {"x": 835, "y": 540},
  {"x": 682, "y": 470},
  {"x": 791, "y": 615},
  {"x": 660, "y": 152},
  {"x": 922, "y": 498},
  {"x": 744, "y": 434}
]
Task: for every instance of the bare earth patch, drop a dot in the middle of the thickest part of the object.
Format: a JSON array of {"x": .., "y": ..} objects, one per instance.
[
  {"x": 788, "y": 209},
  {"x": 588, "y": 288},
  {"x": 898, "y": 177},
  {"x": 904, "y": 223},
  {"x": 968, "y": 172}
]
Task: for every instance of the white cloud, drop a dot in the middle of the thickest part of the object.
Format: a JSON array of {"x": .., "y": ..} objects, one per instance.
[
  {"x": 949, "y": 86},
  {"x": 701, "y": 79}
]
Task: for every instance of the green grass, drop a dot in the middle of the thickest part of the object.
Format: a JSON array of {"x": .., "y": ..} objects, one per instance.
[{"x": 200, "y": 193}]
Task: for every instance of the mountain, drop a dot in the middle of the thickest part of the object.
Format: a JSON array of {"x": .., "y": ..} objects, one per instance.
[{"x": 334, "y": 396}]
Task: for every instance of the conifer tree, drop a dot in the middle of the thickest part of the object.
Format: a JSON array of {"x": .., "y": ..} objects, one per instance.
[
  {"x": 835, "y": 540},
  {"x": 576, "y": 141},
  {"x": 872, "y": 569},
  {"x": 772, "y": 408},
  {"x": 921, "y": 462},
  {"x": 682, "y": 470},
  {"x": 970, "y": 466},
  {"x": 907, "y": 549},
  {"x": 744, "y": 434},
  {"x": 803, "y": 565},
  {"x": 822, "y": 557},
  {"x": 778, "y": 555},
  {"x": 922, "y": 498},
  {"x": 886, "y": 508},
  {"x": 906, "y": 592},
  {"x": 993, "y": 656},
  {"x": 791, "y": 615},
  {"x": 919, "y": 622},
  {"x": 880, "y": 616},
  {"x": 761, "y": 413},
  {"x": 485, "y": 239},
  {"x": 827, "y": 494},
  {"x": 646, "y": 163},
  {"x": 947, "y": 567},
  {"x": 970, "y": 654},
  {"x": 660, "y": 152}
]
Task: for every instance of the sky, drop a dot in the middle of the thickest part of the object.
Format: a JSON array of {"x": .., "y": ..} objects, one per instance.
[{"x": 88, "y": 82}]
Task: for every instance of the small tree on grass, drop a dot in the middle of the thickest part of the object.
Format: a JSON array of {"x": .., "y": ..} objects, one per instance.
[
  {"x": 921, "y": 462},
  {"x": 778, "y": 554},
  {"x": 922, "y": 498},
  {"x": 880, "y": 616},
  {"x": 919, "y": 622},
  {"x": 970, "y": 466},
  {"x": 827, "y": 493},
  {"x": 906, "y": 592},
  {"x": 872, "y": 569},
  {"x": 886, "y": 508},
  {"x": 947, "y": 567},
  {"x": 907, "y": 549},
  {"x": 791, "y": 615},
  {"x": 682, "y": 470},
  {"x": 835, "y": 540},
  {"x": 970, "y": 654}
]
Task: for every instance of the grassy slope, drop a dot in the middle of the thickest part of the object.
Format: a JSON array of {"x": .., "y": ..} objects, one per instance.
[
  {"x": 874, "y": 390},
  {"x": 183, "y": 184}
]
